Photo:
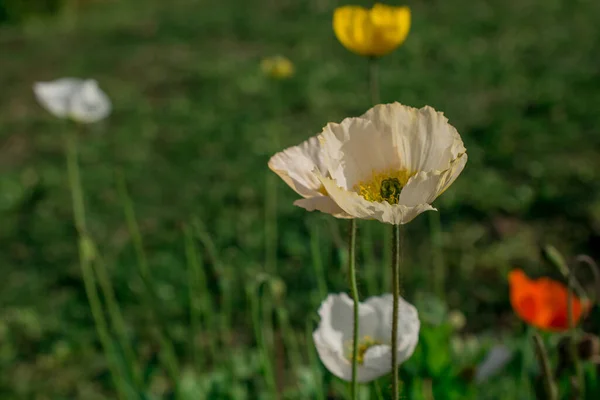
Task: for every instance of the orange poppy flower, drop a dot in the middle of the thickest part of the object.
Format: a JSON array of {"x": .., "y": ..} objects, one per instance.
[{"x": 542, "y": 302}]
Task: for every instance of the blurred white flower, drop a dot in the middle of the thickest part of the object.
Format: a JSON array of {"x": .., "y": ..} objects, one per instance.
[
  {"x": 333, "y": 337},
  {"x": 77, "y": 99},
  {"x": 296, "y": 165},
  {"x": 391, "y": 163},
  {"x": 494, "y": 361}
]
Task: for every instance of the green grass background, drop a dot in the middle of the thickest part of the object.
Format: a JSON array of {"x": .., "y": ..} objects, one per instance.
[{"x": 194, "y": 124}]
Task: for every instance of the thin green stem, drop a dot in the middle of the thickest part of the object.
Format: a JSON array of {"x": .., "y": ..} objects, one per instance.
[
  {"x": 117, "y": 319},
  {"x": 354, "y": 293},
  {"x": 317, "y": 263},
  {"x": 439, "y": 269},
  {"x": 580, "y": 390},
  {"x": 366, "y": 245},
  {"x": 589, "y": 261},
  {"x": 193, "y": 288},
  {"x": 313, "y": 361},
  {"x": 85, "y": 258},
  {"x": 201, "y": 286},
  {"x": 167, "y": 354},
  {"x": 378, "y": 391},
  {"x": 289, "y": 336},
  {"x": 91, "y": 291},
  {"x": 271, "y": 225},
  {"x": 75, "y": 183},
  {"x": 225, "y": 281},
  {"x": 396, "y": 296},
  {"x": 544, "y": 363},
  {"x": 259, "y": 333},
  {"x": 554, "y": 256},
  {"x": 374, "y": 80}
]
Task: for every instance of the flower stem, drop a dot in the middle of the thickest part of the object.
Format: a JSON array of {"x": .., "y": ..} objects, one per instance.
[
  {"x": 542, "y": 355},
  {"x": 271, "y": 225},
  {"x": 167, "y": 353},
  {"x": 85, "y": 260},
  {"x": 374, "y": 80},
  {"x": 580, "y": 390},
  {"x": 439, "y": 270},
  {"x": 396, "y": 294},
  {"x": 317, "y": 263},
  {"x": 354, "y": 292}
]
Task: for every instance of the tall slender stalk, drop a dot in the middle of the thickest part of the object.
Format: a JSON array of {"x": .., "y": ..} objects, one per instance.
[
  {"x": 198, "y": 277},
  {"x": 167, "y": 354},
  {"x": 85, "y": 262},
  {"x": 542, "y": 356},
  {"x": 396, "y": 296},
  {"x": 580, "y": 390},
  {"x": 289, "y": 336},
  {"x": 313, "y": 361},
  {"x": 193, "y": 288},
  {"x": 366, "y": 245},
  {"x": 317, "y": 263},
  {"x": 100, "y": 321},
  {"x": 252, "y": 292},
  {"x": 117, "y": 319},
  {"x": 271, "y": 225},
  {"x": 374, "y": 80},
  {"x": 354, "y": 292},
  {"x": 439, "y": 269}
]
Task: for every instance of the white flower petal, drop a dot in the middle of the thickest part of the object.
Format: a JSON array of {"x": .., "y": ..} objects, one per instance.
[
  {"x": 55, "y": 96},
  {"x": 355, "y": 149},
  {"x": 332, "y": 358},
  {"x": 323, "y": 204},
  {"x": 425, "y": 187},
  {"x": 379, "y": 358},
  {"x": 356, "y": 206},
  {"x": 424, "y": 138},
  {"x": 89, "y": 103},
  {"x": 295, "y": 166},
  {"x": 81, "y": 100}
]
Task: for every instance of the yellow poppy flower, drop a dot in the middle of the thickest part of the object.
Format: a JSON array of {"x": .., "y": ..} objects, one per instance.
[
  {"x": 277, "y": 67},
  {"x": 371, "y": 32}
]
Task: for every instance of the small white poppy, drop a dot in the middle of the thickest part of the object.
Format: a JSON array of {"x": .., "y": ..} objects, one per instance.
[
  {"x": 391, "y": 163},
  {"x": 333, "y": 337},
  {"x": 77, "y": 99},
  {"x": 296, "y": 165}
]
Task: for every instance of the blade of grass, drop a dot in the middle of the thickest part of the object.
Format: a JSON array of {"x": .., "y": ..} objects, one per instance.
[
  {"x": 117, "y": 319},
  {"x": 317, "y": 263},
  {"x": 225, "y": 280},
  {"x": 167, "y": 353},
  {"x": 313, "y": 361},
  {"x": 369, "y": 263},
  {"x": 271, "y": 224},
  {"x": 193, "y": 288},
  {"x": 437, "y": 253},
  {"x": 253, "y": 296}
]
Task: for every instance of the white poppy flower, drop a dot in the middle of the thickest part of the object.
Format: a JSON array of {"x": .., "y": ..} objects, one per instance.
[
  {"x": 391, "y": 163},
  {"x": 333, "y": 337},
  {"x": 296, "y": 165},
  {"x": 77, "y": 99}
]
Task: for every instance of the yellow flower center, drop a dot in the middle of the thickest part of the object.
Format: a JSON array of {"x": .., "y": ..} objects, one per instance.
[
  {"x": 383, "y": 186},
  {"x": 363, "y": 345}
]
